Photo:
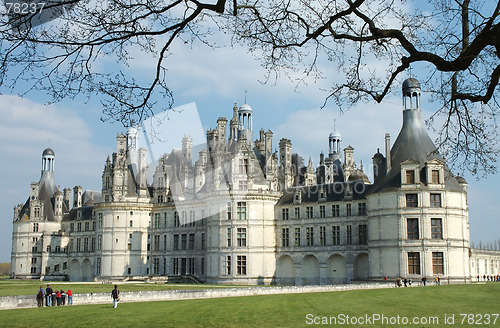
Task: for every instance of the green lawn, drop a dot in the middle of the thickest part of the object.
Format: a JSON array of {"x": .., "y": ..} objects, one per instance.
[{"x": 278, "y": 310}]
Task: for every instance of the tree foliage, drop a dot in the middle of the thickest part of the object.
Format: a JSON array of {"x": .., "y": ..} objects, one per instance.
[{"x": 364, "y": 47}]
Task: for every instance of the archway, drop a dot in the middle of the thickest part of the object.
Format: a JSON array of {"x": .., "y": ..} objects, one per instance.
[
  {"x": 310, "y": 270},
  {"x": 337, "y": 269},
  {"x": 361, "y": 267},
  {"x": 75, "y": 272},
  {"x": 285, "y": 270},
  {"x": 86, "y": 270}
]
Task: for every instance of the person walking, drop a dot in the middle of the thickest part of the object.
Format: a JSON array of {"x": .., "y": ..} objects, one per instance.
[
  {"x": 115, "y": 296},
  {"x": 40, "y": 296},
  {"x": 48, "y": 296},
  {"x": 70, "y": 297}
]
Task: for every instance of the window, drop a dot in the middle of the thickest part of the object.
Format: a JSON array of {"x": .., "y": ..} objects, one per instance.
[
  {"x": 72, "y": 227},
  {"x": 435, "y": 176},
  {"x": 436, "y": 229},
  {"x": 297, "y": 212},
  {"x": 310, "y": 236},
  {"x": 176, "y": 242},
  {"x": 164, "y": 242},
  {"x": 78, "y": 244},
  {"x": 191, "y": 241},
  {"x": 87, "y": 226},
  {"x": 47, "y": 270},
  {"x": 361, "y": 209},
  {"x": 243, "y": 166},
  {"x": 202, "y": 266},
  {"x": 156, "y": 242},
  {"x": 35, "y": 227},
  {"x": 99, "y": 242},
  {"x": 410, "y": 176},
  {"x": 160, "y": 198},
  {"x": 412, "y": 229},
  {"x": 56, "y": 268},
  {"x": 309, "y": 212},
  {"x": 92, "y": 244},
  {"x": 284, "y": 213},
  {"x": 241, "y": 237},
  {"x": 184, "y": 218},
  {"x": 322, "y": 212},
  {"x": 322, "y": 236},
  {"x": 99, "y": 219},
  {"x": 175, "y": 266},
  {"x": 129, "y": 246},
  {"x": 58, "y": 249},
  {"x": 183, "y": 241},
  {"x": 437, "y": 263},
  {"x": 242, "y": 211},
  {"x": 285, "y": 237},
  {"x": 177, "y": 222},
  {"x": 349, "y": 234},
  {"x": 336, "y": 235},
  {"x": 65, "y": 265},
  {"x": 203, "y": 241},
  {"x": 243, "y": 184},
  {"x": 411, "y": 200},
  {"x": 191, "y": 266},
  {"x": 229, "y": 235},
  {"x": 435, "y": 200},
  {"x": 241, "y": 265},
  {"x": 363, "y": 234},
  {"x": 49, "y": 248},
  {"x": 79, "y": 225},
  {"x": 228, "y": 265},
  {"x": 229, "y": 216},
  {"x": 33, "y": 269},
  {"x": 192, "y": 218},
  {"x": 165, "y": 220},
  {"x": 336, "y": 210},
  {"x": 86, "y": 244},
  {"x": 36, "y": 213},
  {"x": 157, "y": 222},
  {"x": 413, "y": 262},
  {"x": 98, "y": 266},
  {"x": 297, "y": 236},
  {"x": 348, "y": 209},
  {"x": 156, "y": 265},
  {"x": 33, "y": 260},
  {"x": 131, "y": 223}
]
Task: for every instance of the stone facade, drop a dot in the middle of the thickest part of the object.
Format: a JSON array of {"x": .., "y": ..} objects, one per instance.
[{"x": 243, "y": 213}]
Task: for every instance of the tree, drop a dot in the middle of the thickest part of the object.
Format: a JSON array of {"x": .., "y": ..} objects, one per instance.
[{"x": 454, "y": 44}]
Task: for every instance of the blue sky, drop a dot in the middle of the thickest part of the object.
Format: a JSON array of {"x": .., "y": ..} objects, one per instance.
[{"x": 213, "y": 79}]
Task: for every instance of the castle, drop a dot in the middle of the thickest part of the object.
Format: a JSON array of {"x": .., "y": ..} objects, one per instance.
[{"x": 243, "y": 213}]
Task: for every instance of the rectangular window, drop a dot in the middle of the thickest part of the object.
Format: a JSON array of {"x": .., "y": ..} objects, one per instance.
[
  {"x": 191, "y": 241},
  {"x": 297, "y": 213},
  {"x": 349, "y": 234},
  {"x": 56, "y": 268},
  {"x": 437, "y": 263},
  {"x": 410, "y": 176},
  {"x": 229, "y": 211},
  {"x": 92, "y": 244},
  {"x": 243, "y": 184},
  {"x": 413, "y": 262},
  {"x": 176, "y": 242},
  {"x": 164, "y": 242},
  {"x": 156, "y": 242},
  {"x": 33, "y": 269},
  {"x": 78, "y": 244},
  {"x": 241, "y": 265},
  {"x": 157, "y": 222},
  {"x": 285, "y": 237},
  {"x": 58, "y": 249},
  {"x": 361, "y": 209},
  {"x": 177, "y": 221},
  {"x": 98, "y": 266},
  {"x": 229, "y": 235},
  {"x": 99, "y": 242},
  {"x": 411, "y": 200},
  {"x": 93, "y": 225},
  {"x": 184, "y": 241},
  {"x": 435, "y": 176},
  {"x": 310, "y": 236},
  {"x": 156, "y": 265},
  {"x": 348, "y": 209},
  {"x": 336, "y": 235},
  {"x": 175, "y": 266},
  {"x": 71, "y": 227},
  {"x": 243, "y": 167},
  {"x": 99, "y": 219},
  {"x": 49, "y": 248},
  {"x": 241, "y": 237},
  {"x": 309, "y": 212},
  {"x": 35, "y": 227},
  {"x": 336, "y": 210},
  {"x": 160, "y": 198},
  {"x": 203, "y": 241},
  {"x": 87, "y": 226},
  {"x": 435, "y": 200},
  {"x": 191, "y": 266},
  {"x": 436, "y": 229},
  {"x": 228, "y": 265},
  {"x": 165, "y": 220},
  {"x": 363, "y": 234},
  {"x": 242, "y": 211},
  {"x": 322, "y": 236},
  {"x": 33, "y": 260},
  {"x": 202, "y": 266},
  {"x": 79, "y": 226},
  {"x": 297, "y": 236},
  {"x": 412, "y": 229},
  {"x": 284, "y": 213},
  {"x": 322, "y": 211}
]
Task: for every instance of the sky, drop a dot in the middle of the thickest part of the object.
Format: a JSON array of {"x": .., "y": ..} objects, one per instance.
[{"x": 213, "y": 80}]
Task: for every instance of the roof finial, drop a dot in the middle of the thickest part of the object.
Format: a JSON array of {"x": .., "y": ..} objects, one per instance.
[{"x": 246, "y": 91}]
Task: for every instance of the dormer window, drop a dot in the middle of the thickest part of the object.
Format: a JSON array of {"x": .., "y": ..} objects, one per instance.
[
  {"x": 410, "y": 176},
  {"x": 435, "y": 176},
  {"x": 435, "y": 172}
]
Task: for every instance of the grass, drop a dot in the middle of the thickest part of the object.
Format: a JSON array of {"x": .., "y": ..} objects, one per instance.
[{"x": 275, "y": 310}]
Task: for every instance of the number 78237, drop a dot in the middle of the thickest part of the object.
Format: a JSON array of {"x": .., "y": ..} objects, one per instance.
[{"x": 23, "y": 8}]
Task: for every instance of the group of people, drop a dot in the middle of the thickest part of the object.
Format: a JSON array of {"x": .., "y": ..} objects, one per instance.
[
  {"x": 53, "y": 297},
  {"x": 489, "y": 278},
  {"x": 405, "y": 281}
]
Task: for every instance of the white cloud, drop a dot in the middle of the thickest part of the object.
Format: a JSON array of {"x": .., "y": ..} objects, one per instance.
[{"x": 26, "y": 129}]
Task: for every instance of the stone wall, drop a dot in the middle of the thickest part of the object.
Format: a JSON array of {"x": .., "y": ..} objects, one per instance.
[{"x": 27, "y": 301}]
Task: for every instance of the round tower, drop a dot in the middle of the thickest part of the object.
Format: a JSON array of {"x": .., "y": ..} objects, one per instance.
[
  {"x": 48, "y": 157},
  {"x": 334, "y": 141},
  {"x": 411, "y": 93},
  {"x": 245, "y": 122}
]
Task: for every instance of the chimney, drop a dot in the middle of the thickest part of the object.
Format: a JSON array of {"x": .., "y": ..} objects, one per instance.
[{"x": 388, "y": 151}]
